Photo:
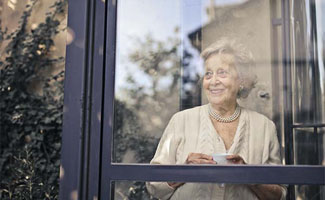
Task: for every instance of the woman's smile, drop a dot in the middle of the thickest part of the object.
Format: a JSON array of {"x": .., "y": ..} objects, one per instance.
[{"x": 216, "y": 91}]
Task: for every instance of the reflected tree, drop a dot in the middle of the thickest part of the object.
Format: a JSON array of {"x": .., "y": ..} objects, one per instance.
[
  {"x": 158, "y": 60},
  {"x": 127, "y": 136},
  {"x": 129, "y": 140},
  {"x": 141, "y": 114},
  {"x": 157, "y": 89},
  {"x": 149, "y": 99},
  {"x": 191, "y": 81}
]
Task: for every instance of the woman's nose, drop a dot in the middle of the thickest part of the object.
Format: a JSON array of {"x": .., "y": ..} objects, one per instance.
[{"x": 215, "y": 78}]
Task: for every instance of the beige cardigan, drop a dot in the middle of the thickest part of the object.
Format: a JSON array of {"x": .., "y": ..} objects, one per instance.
[{"x": 192, "y": 131}]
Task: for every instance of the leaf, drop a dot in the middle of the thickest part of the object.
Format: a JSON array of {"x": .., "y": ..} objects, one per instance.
[{"x": 20, "y": 66}]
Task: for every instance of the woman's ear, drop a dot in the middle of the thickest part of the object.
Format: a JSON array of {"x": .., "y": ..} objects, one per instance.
[
  {"x": 241, "y": 86},
  {"x": 241, "y": 81}
]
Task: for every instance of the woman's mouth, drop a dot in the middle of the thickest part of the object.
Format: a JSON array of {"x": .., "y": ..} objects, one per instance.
[{"x": 216, "y": 91}]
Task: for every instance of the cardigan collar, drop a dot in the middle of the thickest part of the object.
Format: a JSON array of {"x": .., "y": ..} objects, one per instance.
[{"x": 209, "y": 142}]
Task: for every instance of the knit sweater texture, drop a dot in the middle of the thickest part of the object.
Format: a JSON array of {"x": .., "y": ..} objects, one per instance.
[{"x": 192, "y": 131}]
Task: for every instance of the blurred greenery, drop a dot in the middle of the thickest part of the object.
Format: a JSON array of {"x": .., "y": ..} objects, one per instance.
[
  {"x": 140, "y": 109},
  {"x": 143, "y": 109},
  {"x": 127, "y": 137},
  {"x": 31, "y": 120}
]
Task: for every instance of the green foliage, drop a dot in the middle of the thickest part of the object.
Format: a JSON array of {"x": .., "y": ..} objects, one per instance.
[{"x": 31, "y": 122}]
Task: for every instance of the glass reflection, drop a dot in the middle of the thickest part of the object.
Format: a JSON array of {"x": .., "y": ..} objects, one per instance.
[
  {"x": 159, "y": 69},
  {"x": 137, "y": 190},
  {"x": 147, "y": 75},
  {"x": 308, "y": 70},
  {"x": 140, "y": 190},
  {"x": 308, "y": 146},
  {"x": 320, "y": 24},
  {"x": 316, "y": 192}
]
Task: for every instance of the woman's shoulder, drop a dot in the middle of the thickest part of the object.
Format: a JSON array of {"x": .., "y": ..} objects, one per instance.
[
  {"x": 191, "y": 111},
  {"x": 190, "y": 115},
  {"x": 257, "y": 117}
]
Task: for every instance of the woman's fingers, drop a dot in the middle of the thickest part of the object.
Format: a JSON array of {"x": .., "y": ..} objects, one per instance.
[
  {"x": 236, "y": 159},
  {"x": 174, "y": 184},
  {"x": 204, "y": 156},
  {"x": 200, "y": 161},
  {"x": 200, "y": 155},
  {"x": 199, "y": 158}
]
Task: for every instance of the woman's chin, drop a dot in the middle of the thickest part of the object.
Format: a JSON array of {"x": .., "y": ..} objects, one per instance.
[{"x": 216, "y": 102}]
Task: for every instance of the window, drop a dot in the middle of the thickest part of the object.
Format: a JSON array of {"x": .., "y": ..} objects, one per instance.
[{"x": 152, "y": 69}]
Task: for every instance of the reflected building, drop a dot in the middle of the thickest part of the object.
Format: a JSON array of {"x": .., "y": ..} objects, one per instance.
[{"x": 250, "y": 23}]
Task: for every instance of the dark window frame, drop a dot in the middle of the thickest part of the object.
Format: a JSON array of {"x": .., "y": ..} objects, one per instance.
[{"x": 88, "y": 118}]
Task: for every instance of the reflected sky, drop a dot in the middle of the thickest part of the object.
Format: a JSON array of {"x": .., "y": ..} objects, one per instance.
[
  {"x": 159, "y": 19},
  {"x": 137, "y": 19}
]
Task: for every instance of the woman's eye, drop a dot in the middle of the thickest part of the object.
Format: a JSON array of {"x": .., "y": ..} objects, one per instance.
[
  {"x": 208, "y": 74},
  {"x": 222, "y": 73}
]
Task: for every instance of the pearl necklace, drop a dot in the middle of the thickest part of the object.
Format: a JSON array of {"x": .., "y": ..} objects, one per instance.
[{"x": 229, "y": 119}]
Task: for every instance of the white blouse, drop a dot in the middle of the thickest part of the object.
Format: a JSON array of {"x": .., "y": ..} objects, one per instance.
[{"x": 191, "y": 131}]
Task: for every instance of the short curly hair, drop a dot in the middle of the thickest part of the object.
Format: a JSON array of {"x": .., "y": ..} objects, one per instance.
[{"x": 244, "y": 61}]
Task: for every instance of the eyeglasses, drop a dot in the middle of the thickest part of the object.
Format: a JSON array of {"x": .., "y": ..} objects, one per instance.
[{"x": 221, "y": 73}]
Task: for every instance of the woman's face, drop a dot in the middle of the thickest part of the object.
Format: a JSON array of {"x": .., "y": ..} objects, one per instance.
[{"x": 221, "y": 81}]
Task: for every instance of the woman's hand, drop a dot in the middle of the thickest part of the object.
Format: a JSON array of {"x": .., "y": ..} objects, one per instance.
[
  {"x": 194, "y": 158},
  {"x": 199, "y": 158},
  {"x": 236, "y": 159},
  {"x": 267, "y": 192},
  {"x": 260, "y": 190},
  {"x": 174, "y": 184}
]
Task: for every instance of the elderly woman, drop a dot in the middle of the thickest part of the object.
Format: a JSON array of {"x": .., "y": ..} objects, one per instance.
[{"x": 220, "y": 127}]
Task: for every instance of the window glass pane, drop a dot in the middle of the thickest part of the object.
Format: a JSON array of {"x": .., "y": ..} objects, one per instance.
[
  {"x": 308, "y": 66},
  {"x": 197, "y": 53},
  {"x": 310, "y": 192},
  {"x": 320, "y": 70},
  {"x": 159, "y": 70},
  {"x": 138, "y": 190},
  {"x": 32, "y": 50},
  {"x": 308, "y": 146},
  {"x": 321, "y": 142},
  {"x": 308, "y": 81},
  {"x": 147, "y": 75}
]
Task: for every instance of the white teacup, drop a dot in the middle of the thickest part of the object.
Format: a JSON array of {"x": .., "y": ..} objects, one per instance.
[{"x": 220, "y": 158}]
